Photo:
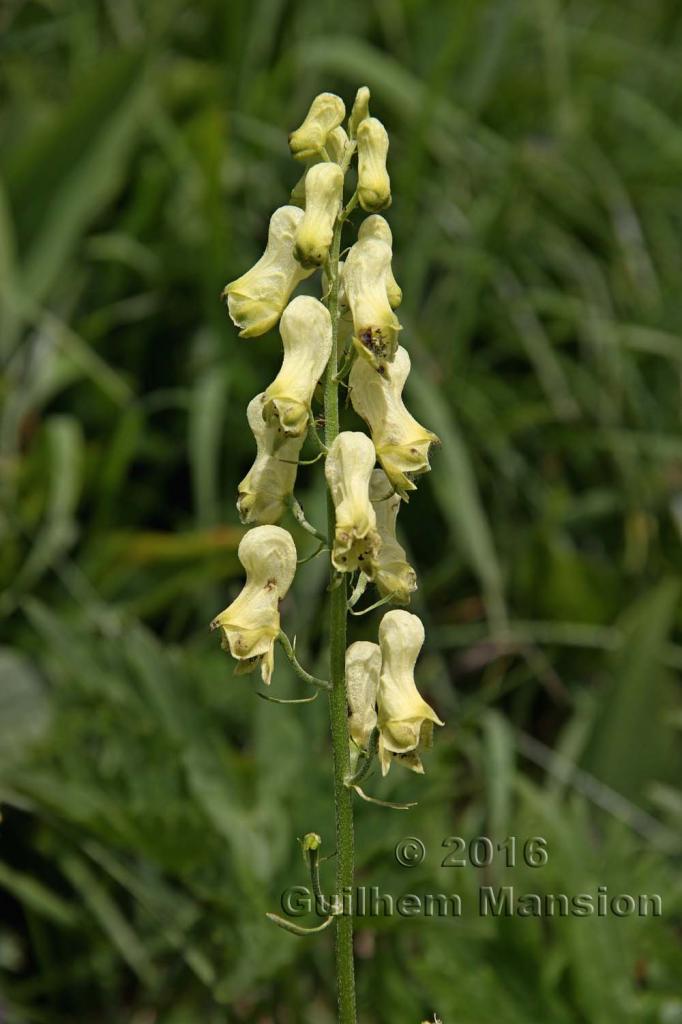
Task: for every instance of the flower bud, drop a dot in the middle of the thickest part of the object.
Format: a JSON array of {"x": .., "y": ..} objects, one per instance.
[
  {"x": 349, "y": 465},
  {"x": 255, "y": 301},
  {"x": 311, "y": 841},
  {"x": 306, "y": 331},
  {"x": 394, "y": 575},
  {"x": 323, "y": 195},
  {"x": 405, "y": 719},
  {"x": 266, "y": 488},
  {"x": 360, "y": 110},
  {"x": 374, "y": 184},
  {"x": 377, "y": 227},
  {"x": 336, "y": 148},
  {"x": 402, "y": 444},
  {"x": 363, "y": 665},
  {"x": 365, "y": 279},
  {"x": 250, "y": 625},
  {"x": 326, "y": 113}
]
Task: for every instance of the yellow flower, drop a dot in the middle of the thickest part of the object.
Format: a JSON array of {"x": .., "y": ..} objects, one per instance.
[
  {"x": 377, "y": 227},
  {"x": 363, "y": 664},
  {"x": 360, "y": 110},
  {"x": 323, "y": 195},
  {"x": 264, "y": 491},
  {"x": 394, "y": 574},
  {"x": 401, "y": 443},
  {"x": 405, "y": 719},
  {"x": 255, "y": 301},
  {"x": 326, "y": 113},
  {"x": 250, "y": 625},
  {"x": 306, "y": 331},
  {"x": 349, "y": 465},
  {"x": 374, "y": 184},
  {"x": 365, "y": 280},
  {"x": 336, "y": 148}
]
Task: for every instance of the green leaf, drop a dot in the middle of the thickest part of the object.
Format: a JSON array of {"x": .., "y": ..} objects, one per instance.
[
  {"x": 455, "y": 487},
  {"x": 58, "y": 530},
  {"x": 109, "y": 916},
  {"x": 632, "y": 742},
  {"x": 24, "y": 706},
  {"x": 71, "y": 165}
]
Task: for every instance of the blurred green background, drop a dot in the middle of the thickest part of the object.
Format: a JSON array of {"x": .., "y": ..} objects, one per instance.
[{"x": 151, "y": 802}]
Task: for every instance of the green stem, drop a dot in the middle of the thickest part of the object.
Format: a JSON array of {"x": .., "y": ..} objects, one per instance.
[
  {"x": 343, "y": 797},
  {"x": 297, "y": 667}
]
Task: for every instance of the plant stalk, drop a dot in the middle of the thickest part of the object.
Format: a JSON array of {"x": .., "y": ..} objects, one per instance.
[{"x": 343, "y": 797}]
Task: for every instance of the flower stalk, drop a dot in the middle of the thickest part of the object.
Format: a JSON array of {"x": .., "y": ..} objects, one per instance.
[{"x": 343, "y": 797}]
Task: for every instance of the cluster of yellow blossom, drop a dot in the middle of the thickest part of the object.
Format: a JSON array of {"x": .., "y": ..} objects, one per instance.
[{"x": 382, "y": 695}]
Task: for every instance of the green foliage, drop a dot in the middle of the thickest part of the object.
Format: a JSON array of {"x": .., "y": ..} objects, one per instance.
[{"x": 151, "y": 802}]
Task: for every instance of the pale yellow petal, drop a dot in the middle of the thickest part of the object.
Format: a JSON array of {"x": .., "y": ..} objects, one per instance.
[
  {"x": 256, "y": 300},
  {"x": 363, "y": 665},
  {"x": 375, "y": 325},
  {"x": 265, "y": 490},
  {"x": 404, "y": 717},
  {"x": 374, "y": 184},
  {"x": 326, "y": 113},
  {"x": 323, "y": 196},
  {"x": 306, "y": 331},
  {"x": 394, "y": 575},
  {"x": 402, "y": 444},
  {"x": 250, "y": 625},
  {"x": 348, "y": 468}
]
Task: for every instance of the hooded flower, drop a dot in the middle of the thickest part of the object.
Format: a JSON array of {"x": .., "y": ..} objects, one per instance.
[
  {"x": 336, "y": 148},
  {"x": 394, "y": 575},
  {"x": 360, "y": 110},
  {"x": 323, "y": 195},
  {"x": 377, "y": 227},
  {"x": 255, "y": 301},
  {"x": 326, "y": 113},
  {"x": 349, "y": 465},
  {"x": 374, "y": 184},
  {"x": 401, "y": 443},
  {"x": 405, "y": 719},
  {"x": 363, "y": 665},
  {"x": 306, "y": 331},
  {"x": 250, "y": 625},
  {"x": 264, "y": 491},
  {"x": 366, "y": 275}
]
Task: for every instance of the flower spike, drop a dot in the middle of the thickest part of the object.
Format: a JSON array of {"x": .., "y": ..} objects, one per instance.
[{"x": 250, "y": 625}]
